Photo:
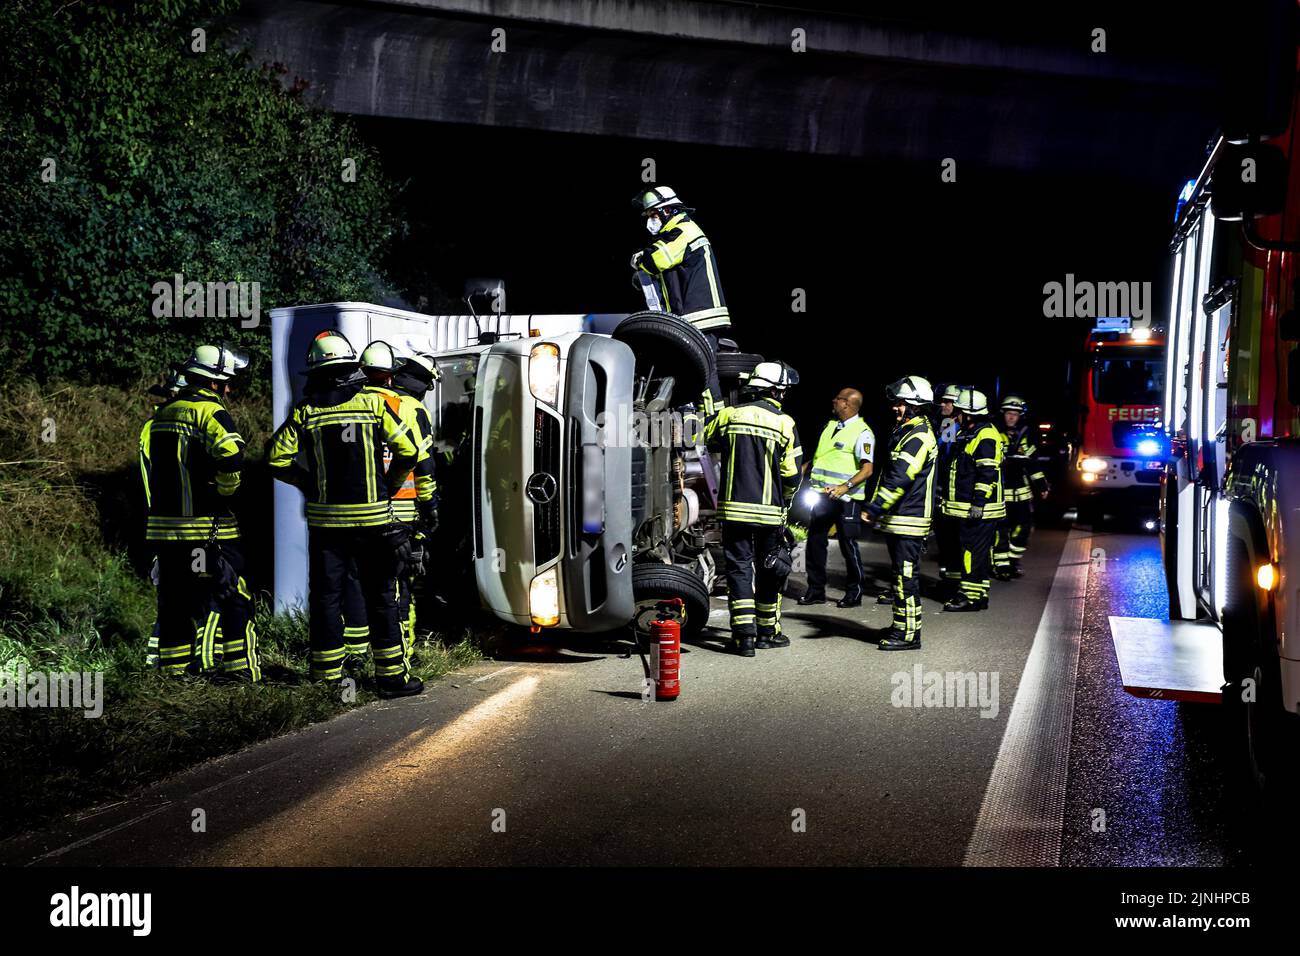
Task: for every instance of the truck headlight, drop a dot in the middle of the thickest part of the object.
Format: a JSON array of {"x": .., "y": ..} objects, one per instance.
[
  {"x": 544, "y": 599},
  {"x": 1094, "y": 465},
  {"x": 544, "y": 373}
]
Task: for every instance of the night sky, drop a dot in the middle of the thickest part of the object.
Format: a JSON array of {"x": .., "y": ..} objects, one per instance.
[{"x": 903, "y": 273}]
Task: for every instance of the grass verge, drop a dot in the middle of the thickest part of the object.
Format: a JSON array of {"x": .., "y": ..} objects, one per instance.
[{"x": 74, "y": 597}]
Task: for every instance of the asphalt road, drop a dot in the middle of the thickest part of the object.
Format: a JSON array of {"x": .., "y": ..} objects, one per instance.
[{"x": 805, "y": 755}]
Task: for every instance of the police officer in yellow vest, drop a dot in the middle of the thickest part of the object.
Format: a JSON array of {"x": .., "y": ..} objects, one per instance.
[{"x": 838, "y": 473}]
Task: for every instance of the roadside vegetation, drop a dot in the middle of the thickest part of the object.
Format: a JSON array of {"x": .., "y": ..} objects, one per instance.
[
  {"x": 75, "y": 596},
  {"x": 141, "y": 145}
]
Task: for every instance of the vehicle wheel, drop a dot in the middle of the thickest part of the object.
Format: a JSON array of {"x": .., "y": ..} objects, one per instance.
[
  {"x": 732, "y": 365},
  {"x": 671, "y": 346},
  {"x": 1259, "y": 728},
  {"x": 654, "y": 582}
]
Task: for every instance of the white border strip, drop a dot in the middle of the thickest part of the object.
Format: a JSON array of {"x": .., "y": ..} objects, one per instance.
[{"x": 1020, "y": 820}]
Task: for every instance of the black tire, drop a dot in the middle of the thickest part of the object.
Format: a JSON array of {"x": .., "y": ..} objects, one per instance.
[
  {"x": 652, "y": 582},
  {"x": 732, "y": 365},
  {"x": 671, "y": 346},
  {"x": 1261, "y": 730}
]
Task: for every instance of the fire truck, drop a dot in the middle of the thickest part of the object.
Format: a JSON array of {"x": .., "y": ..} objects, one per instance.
[
  {"x": 1121, "y": 448},
  {"x": 1231, "y": 413}
]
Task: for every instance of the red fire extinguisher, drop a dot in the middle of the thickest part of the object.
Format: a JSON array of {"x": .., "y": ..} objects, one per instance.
[{"x": 666, "y": 650}]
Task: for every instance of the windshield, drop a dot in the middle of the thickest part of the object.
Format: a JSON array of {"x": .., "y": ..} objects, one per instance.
[
  {"x": 1128, "y": 377},
  {"x": 455, "y": 413}
]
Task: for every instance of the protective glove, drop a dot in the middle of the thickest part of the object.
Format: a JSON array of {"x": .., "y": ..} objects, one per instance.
[
  {"x": 976, "y": 512},
  {"x": 636, "y": 259},
  {"x": 428, "y": 512}
]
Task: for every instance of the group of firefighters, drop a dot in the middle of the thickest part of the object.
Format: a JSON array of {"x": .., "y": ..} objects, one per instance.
[
  {"x": 358, "y": 444},
  {"x": 959, "y": 475}
]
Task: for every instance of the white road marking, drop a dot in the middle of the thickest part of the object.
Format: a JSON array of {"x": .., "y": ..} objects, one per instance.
[{"x": 1020, "y": 819}]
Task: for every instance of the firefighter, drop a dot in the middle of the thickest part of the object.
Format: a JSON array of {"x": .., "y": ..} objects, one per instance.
[
  {"x": 972, "y": 494},
  {"x": 416, "y": 502},
  {"x": 838, "y": 473},
  {"x": 903, "y": 504},
  {"x": 947, "y": 530},
  {"x": 167, "y": 390},
  {"x": 191, "y": 457},
  {"x": 679, "y": 273},
  {"x": 332, "y": 448},
  {"x": 1022, "y": 480},
  {"x": 761, "y": 459}
]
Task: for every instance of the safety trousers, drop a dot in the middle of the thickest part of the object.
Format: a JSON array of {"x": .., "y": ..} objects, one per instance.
[
  {"x": 199, "y": 629},
  {"x": 334, "y": 552},
  {"x": 356, "y": 627},
  {"x": 753, "y": 593},
  {"x": 1013, "y": 534},
  {"x": 905, "y": 561},
  {"x": 830, "y": 514},
  {"x": 977, "y": 538},
  {"x": 947, "y": 531}
]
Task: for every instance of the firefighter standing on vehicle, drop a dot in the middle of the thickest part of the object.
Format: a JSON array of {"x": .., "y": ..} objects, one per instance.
[
  {"x": 681, "y": 271},
  {"x": 332, "y": 449},
  {"x": 837, "y": 475},
  {"x": 903, "y": 504},
  {"x": 972, "y": 494},
  {"x": 761, "y": 459},
  {"x": 191, "y": 459},
  {"x": 416, "y": 502},
  {"x": 1022, "y": 480}
]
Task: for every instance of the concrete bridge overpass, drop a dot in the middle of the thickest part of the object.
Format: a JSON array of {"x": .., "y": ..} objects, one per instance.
[{"x": 725, "y": 74}]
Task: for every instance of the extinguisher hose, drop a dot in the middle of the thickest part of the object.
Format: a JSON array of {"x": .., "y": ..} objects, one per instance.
[{"x": 636, "y": 639}]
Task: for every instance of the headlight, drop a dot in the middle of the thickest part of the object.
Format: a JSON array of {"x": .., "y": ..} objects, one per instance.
[
  {"x": 544, "y": 373},
  {"x": 544, "y": 599},
  {"x": 1148, "y": 448},
  {"x": 1094, "y": 465}
]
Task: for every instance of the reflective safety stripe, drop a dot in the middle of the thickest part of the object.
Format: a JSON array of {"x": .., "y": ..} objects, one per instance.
[{"x": 164, "y": 528}]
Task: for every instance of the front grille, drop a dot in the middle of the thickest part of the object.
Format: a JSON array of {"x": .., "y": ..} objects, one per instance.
[{"x": 546, "y": 514}]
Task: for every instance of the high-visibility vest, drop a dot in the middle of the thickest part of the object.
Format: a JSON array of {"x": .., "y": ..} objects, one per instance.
[{"x": 836, "y": 459}]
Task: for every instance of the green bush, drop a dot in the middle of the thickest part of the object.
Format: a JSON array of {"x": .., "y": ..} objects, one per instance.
[{"x": 131, "y": 157}]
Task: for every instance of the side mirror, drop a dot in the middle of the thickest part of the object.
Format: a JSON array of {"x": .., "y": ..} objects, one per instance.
[{"x": 1248, "y": 181}]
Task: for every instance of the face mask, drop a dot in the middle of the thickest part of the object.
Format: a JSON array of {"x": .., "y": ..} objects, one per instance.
[{"x": 653, "y": 225}]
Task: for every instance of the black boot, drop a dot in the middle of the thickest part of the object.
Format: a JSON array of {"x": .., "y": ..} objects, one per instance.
[
  {"x": 745, "y": 645},
  {"x": 884, "y": 597},
  {"x": 1016, "y": 570},
  {"x": 1002, "y": 573},
  {"x": 390, "y": 687},
  {"x": 962, "y": 603},
  {"x": 851, "y": 599},
  {"x": 766, "y": 641},
  {"x": 811, "y": 597},
  {"x": 896, "y": 640}
]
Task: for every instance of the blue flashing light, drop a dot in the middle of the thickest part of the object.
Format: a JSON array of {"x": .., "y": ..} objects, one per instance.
[
  {"x": 1184, "y": 195},
  {"x": 1148, "y": 448}
]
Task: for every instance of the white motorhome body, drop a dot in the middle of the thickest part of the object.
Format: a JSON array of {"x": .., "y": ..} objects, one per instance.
[{"x": 292, "y": 330}]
